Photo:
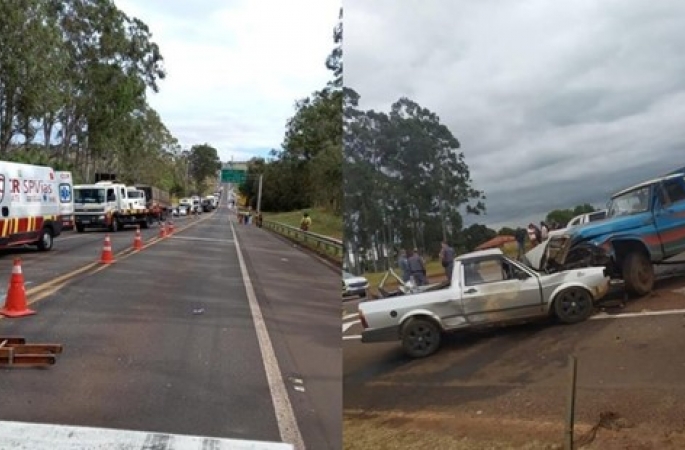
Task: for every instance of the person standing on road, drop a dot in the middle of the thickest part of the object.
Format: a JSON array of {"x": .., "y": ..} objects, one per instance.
[
  {"x": 520, "y": 237},
  {"x": 417, "y": 268},
  {"x": 447, "y": 260},
  {"x": 404, "y": 265}
]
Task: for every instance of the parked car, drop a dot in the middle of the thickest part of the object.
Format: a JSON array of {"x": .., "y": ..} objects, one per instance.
[
  {"x": 487, "y": 288},
  {"x": 354, "y": 286},
  {"x": 579, "y": 220}
]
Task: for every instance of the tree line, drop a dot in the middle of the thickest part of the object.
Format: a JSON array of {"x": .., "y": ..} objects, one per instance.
[
  {"x": 406, "y": 181},
  {"x": 74, "y": 78},
  {"x": 307, "y": 170}
]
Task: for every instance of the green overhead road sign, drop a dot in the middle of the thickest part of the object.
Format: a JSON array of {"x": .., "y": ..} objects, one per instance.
[{"x": 235, "y": 176}]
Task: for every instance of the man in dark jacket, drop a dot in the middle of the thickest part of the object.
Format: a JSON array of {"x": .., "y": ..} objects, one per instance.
[
  {"x": 416, "y": 268},
  {"x": 447, "y": 260},
  {"x": 520, "y": 242}
]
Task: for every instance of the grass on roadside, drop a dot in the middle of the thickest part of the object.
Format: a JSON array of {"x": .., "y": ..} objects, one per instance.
[{"x": 323, "y": 222}]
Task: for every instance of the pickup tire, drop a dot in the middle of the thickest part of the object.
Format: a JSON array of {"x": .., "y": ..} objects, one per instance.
[
  {"x": 638, "y": 274},
  {"x": 573, "y": 305},
  {"x": 420, "y": 337}
]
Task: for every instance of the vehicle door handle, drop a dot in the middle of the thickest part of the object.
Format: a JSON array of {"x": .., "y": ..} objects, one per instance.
[{"x": 471, "y": 291}]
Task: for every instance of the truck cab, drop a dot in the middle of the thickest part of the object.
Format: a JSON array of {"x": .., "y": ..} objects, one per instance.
[{"x": 136, "y": 199}]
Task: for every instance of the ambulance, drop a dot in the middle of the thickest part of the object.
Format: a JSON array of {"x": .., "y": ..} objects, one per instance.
[
  {"x": 29, "y": 205},
  {"x": 66, "y": 199}
]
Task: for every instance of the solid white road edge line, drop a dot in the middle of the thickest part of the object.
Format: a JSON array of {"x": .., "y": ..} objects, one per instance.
[
  {"x": 666, "y": 312},
  {"x": 285, "y": 416}
]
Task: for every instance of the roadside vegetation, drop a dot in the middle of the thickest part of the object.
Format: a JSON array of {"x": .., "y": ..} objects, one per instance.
[
  {"x": 305, "y": 174},
  {"x": 323, "y": 221},
  {"x": 74, "y": 81}
]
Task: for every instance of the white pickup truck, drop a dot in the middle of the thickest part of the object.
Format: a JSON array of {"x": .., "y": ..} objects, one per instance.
[{"x": 487, "y": 288}]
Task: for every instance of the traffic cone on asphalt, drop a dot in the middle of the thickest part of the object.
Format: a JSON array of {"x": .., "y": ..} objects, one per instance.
[
  {"x": 107, "y": 256},
  {"x": 137, "y": 242},
  {"x": 162, "y": 230},
  {"x": 15, "y": 302}
]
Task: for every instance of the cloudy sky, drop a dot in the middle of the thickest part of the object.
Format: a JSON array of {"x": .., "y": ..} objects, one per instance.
[
  {"x": 236, "y": 67},
  {"x": 554, "y": 103}
]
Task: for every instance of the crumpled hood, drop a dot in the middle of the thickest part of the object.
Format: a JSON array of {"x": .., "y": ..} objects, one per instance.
[{"x": 608, "y": 226}]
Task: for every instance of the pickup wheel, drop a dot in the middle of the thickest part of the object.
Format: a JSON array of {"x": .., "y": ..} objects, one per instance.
[
  {"x": 420, "y": 337},
  {"x": 573, "y": 305},
  {"x": 638, "y": 274}
]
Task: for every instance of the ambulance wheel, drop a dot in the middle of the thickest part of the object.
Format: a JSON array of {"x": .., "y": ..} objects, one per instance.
[{"x": 45, "y": 242}]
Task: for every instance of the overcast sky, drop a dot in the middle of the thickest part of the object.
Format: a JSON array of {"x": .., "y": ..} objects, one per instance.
[
  {"x": 554, "y": 103},
  {"x": 236, "y": 67}
]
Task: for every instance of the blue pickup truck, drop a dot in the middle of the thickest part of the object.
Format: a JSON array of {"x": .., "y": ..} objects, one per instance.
[{"x": 645, "y": 226}]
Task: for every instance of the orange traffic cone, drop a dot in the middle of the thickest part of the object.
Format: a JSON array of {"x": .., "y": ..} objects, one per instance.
[
  {"x": 137, "y": 242},
  {"x": 107, "y": 256},
  {"x": 15, "y": 302},
  {"x": 162, "y": 230}
]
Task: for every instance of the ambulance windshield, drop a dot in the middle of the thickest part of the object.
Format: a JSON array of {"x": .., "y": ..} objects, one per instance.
[{"x": 89, "y": 195}]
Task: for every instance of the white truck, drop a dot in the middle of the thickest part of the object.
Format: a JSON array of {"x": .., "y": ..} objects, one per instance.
[
  {"x": 30, "y": 208},
  {"x": 107, "y": 204},
  {"x": 487, "y": 288}
]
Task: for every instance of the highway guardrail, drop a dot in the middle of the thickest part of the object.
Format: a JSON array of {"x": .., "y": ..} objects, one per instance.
[{"x": 326, "y": 246}]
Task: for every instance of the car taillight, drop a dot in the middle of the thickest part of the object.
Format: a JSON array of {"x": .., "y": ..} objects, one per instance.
[{"x": 362, "y": 319}]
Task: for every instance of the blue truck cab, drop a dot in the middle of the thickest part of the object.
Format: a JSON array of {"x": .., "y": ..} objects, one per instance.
[{"x": 645, "y": 226}]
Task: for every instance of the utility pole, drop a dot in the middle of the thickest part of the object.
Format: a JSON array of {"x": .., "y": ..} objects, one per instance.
[{"x": 259, "y": 195}]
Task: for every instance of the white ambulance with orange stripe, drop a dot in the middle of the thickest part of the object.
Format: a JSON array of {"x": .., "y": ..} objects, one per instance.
[{"x": 29, "y": 205}]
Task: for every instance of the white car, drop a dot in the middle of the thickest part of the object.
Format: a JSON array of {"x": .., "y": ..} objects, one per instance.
[
  {"x": 354, "y": 286},
  {"x": 487, "y": 288}
]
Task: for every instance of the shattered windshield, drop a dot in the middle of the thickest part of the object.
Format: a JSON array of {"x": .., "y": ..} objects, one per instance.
[
  {"x": 633, "y": 202},
  {"x": 89, "y": 196}
]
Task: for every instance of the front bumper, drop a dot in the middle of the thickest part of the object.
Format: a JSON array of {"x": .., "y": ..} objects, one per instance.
[
  {"x": 386, "y": 334},
  {"x": 95, "y": 220}
]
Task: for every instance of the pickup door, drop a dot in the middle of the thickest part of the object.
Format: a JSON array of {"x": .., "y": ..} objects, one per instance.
[
  {"x": 496, "y": 289},
  {"x": 669, "y": 216}
]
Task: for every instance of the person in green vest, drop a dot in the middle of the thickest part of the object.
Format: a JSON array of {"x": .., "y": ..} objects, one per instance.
[{"x": 306, "y": 222}]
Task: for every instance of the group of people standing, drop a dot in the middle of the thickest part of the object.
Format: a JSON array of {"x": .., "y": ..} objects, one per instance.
[
  {"x": 536, "y": 235},
  {"x": 413, "y": 265}
]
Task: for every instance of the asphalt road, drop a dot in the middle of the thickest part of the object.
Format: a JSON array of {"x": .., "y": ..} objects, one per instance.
[
  {"x": 511, "y": 384},
  {"x": 169, "y": 340}
]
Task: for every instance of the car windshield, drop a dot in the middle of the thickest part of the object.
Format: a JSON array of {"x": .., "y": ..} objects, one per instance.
[
  {"x": 347, "y": 276},
  {"x": 632, "y": 202},
  {"x": 89, "y": 195}
]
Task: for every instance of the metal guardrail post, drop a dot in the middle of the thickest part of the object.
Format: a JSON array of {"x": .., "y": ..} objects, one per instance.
[{"x": 571, "y": 403}]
